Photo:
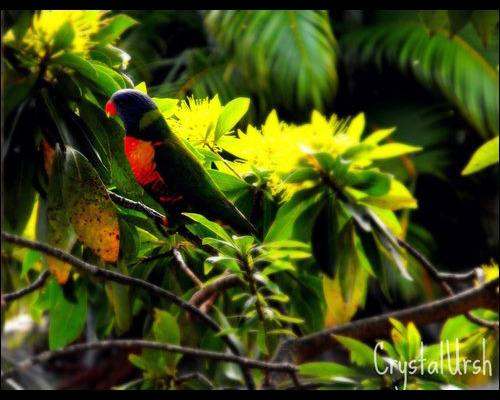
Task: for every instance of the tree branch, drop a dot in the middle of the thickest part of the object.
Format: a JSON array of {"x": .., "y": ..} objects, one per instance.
[
  {"x": 133, "y": 344},
  {"x": 299, "y": 350},
  {"x": 130, "y": 281},
  {"x": 40, "y": 281},
  {"x": 159, "y": 218},
  {"x": 180, "y": 261},
  {"x": 441, "y": 279},
  {"x": 195, "y": 375},
  {"x": 135, "y": 205},
  {"x": 218, "y": 286}
]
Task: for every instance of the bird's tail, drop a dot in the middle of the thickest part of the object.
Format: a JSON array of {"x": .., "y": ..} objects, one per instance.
[{"x": 238, "y": 221}]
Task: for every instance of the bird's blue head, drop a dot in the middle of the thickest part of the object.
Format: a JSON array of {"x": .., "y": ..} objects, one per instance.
[{"x": 130, "y": 105}]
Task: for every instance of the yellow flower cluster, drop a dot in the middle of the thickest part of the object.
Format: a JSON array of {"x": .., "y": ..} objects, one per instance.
[
  {"x": 490, "y": 271},
  {"x": 277, "y": 146},
  {"x": 195, "y": 120},
  {"x": 41, "y": 34}
]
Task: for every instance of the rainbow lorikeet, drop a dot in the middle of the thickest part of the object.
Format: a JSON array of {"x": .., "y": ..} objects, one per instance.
[{"x": 166, "y": 168}]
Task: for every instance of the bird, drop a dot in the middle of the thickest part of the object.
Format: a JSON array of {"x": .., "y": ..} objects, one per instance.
[{"x": 166, "y": 168}]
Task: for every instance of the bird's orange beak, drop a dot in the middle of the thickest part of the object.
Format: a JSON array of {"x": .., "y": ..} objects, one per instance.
[{"x": 110, "y": 108}]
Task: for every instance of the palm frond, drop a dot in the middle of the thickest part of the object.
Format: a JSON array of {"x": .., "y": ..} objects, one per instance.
[
  {"x": 289, "y": 56},
  {"x": 451, "y": 66}
]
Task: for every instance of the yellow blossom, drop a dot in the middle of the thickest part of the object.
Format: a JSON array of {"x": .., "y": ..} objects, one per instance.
[
  {"x": 41, "y": 34},
  {"x": 490, "y": 271},
  {"x": 279, "y": 146},
  {"x": 195, "y": 120}
]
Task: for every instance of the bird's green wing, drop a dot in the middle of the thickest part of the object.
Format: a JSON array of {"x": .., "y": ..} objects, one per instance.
[{"x": 184, "y": 174}]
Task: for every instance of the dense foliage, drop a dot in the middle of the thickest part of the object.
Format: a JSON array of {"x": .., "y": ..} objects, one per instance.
[{"x": 331, "y": 193}]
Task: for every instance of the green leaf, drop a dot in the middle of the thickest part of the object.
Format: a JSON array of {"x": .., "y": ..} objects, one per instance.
[
  {"x": 328, "y": 370},
  {"x": 105, "y": 73},
  {"x": 299, "y": 42},
  {"x": 457, "y": 328},
  {"x": 18, "y": 167},
  {"x": 414, "y": 341},
  {"x": 466, "y": 77},
  {"x": 361, "y": 354},
  {"x": 97, "y": 74},
  {"x": 458, "y": 19},
  {"x": 90, "y": 210},
  {"x": 485, "y": 156},
  {"x": 282, "y": 227},
  {"x": 114, "y": 29},
  {"x": 63, "y": 37},
  {"x": 228, "y": 262},
  {"x": 22, "y": 24},
  {"x": 324, "y": 239},
  {"x": 119, "y": 296},
  {"x": 231, "y": 114},
  {"x": 166, "y": 330},
  {"x": 261, "y": 341},
  {"x": 370, "y": 182},
  {"x": 67, "y": 319},
  {"x": 434, "y": 19},
  {"x": 69, "y": 87},
  {"x": 29, "y": 261},
  {"x": 485, "y": 22},
  {"x": 111, "y": 138},
  {"x": 212, "y": 226},
  {"x": 60, "y": 232},
  {"x": 399, "y": 335},
  {"x": 347, "y": 291},
  {"x": 166, "y": 106},
  {"x": 227, "y": 182},
  {"x": 396, "y": 198},
  {"x": 129, "y": 241},
  {"x": 301, "y": 175}
]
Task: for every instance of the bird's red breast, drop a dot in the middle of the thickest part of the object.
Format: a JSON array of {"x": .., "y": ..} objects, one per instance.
[{"x": 140, "y": 154}]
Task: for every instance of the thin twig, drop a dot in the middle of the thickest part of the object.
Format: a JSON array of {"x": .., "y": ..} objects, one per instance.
[
  {"x": 195, "y": 375},
  {"x": 461, "y": 277},
  {"x": 13, "y": 384},
  {"x": 133, "y": 344},
  {"x": 40, "y": 281},
  {"x": 437, "y": 277},
  {"x": 155, "y": 257},
  {"x": 180, "y": 261},
  {"x": 195, "y": 240},
  {"x": 224, "y": 283},
  {"x": 224, "y": 161},
  {"x": 252, "y": 284},
  {"x": 295, "y": 380},
  {"x": 160, "y": 218},
  {"x": 130, "y": 281},
  {"x": 135, "y": 205}
]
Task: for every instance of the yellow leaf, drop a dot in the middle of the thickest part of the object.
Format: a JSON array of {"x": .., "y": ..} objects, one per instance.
[
  {"x": 485, "y": 156},
  {"x": 379, "y": 135},
  {"x": 392, "y": 150},
  {"x": 397, "y": 198},
  {"x": 356, "y": 127},
  {"x": 388, "y": 218},
  {"x": 342, "y": 305},
  {"x": 90, "y": 210},
  {"x": 141, "y": 87}
]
